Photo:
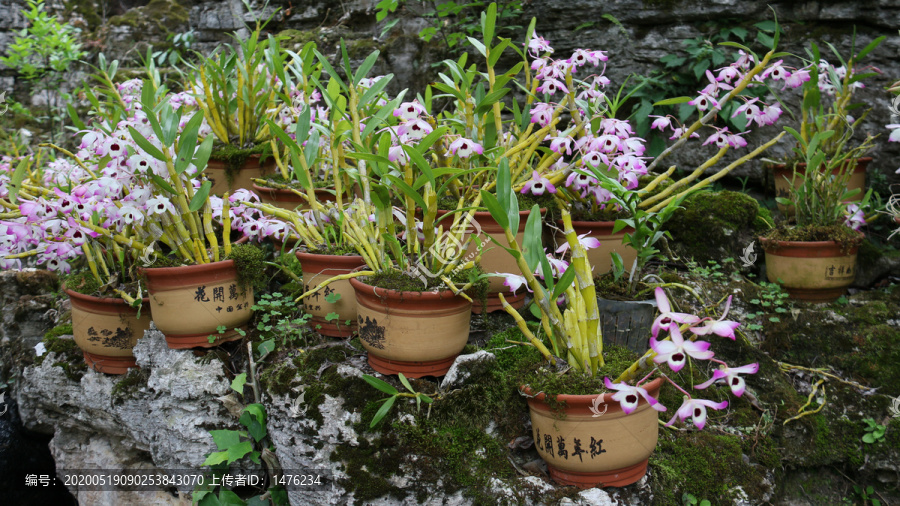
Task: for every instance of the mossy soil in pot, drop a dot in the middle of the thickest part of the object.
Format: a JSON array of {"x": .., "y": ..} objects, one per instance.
[
  {"x": 540, "y": 379},
  {"x": 403, "y": 282},
  {"x": 838, "y": 233}
]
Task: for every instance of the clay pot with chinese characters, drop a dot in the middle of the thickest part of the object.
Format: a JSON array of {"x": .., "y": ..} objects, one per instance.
[
  {"x": 416, "y": 333},
  {"x": 494, "y": 259},
  {"x": 106, "y": 329},
  {"x": 333, "y": 308},
  {"x": 594, "y": 443},
  {"x": 191, "y": 303},
  {"x": 225, "y": 179},
  {"x": 600, "y": 258},
  {"x": 814, "y": 271}
]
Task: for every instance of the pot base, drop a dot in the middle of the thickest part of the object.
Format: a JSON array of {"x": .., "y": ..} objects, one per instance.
[
  {"x": 330, "y": 329},
  {"x": 815, "y": 295},
  {"x": 411, "y": 369},
  {"x": 617, "y": 478},
  {"x": 493, "y": 303},
  {"x": 183, "y": 342},
  {"x": 109, "y": 365}
]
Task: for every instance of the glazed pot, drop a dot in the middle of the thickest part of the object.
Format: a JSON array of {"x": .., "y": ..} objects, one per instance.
[
  {"x": 814, "y": 271},
  {"x": 495, "y": 259},
  {"x": 318, "y": 268},
  {"x": 106, "y": 329},
  {"x": 287, "y": 199},
  {"x": 784, "y": 176},
  {"x": 189, "y": 303},
  {"x": 586, "y": 450},
  {"x": 217, "y": 172},
  {"x": 600, "y": 258},
  {"x": 416, "y": 333}
]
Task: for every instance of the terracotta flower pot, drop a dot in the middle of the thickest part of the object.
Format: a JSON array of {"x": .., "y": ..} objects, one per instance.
[
  {"x": 216, "y": 171},
  {"x": 189, "y": 303},
  {"x": 106, "y": 329},
  {"x": 494, "y": 259},
  {"x": 601, "y": 257},
  {"x": 815, "y": 271},
  {"x": 585, "y": 450},
  {"x": 784, "y": 175},
  {"x": 286, "y": 199},
  {"x": 318, "y": 268},
  {"x": 416, "y": 333}
]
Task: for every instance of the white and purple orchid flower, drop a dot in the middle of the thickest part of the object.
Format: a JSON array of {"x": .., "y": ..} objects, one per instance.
[
  {"x": 538, "y": 184},
  {"x": 731, "y": 375},
  {"x": 629, "y": 396},
  {"x": 696, "y": 410}
]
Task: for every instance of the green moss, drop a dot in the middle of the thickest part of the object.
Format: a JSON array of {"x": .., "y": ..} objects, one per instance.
[
  {"x": 296, "y": 39},
  {"x": 129, "y": 385},
  {"x": 69, "y": 355},
  {"x": 234, "y": 157},
  {"x": 82, "y": 282},
  {"x": 250, "y": 262},
  {"x": 162, "y": 16},
  {"x": 618, "y": 359},
  {"x": 703, "y": 464},
  {"x": 763, "y": 220},
  {"x": 709, "y": 220}
]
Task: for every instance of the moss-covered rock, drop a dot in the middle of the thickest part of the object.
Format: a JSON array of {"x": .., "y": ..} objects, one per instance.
[{"x": 716, "y": 225}]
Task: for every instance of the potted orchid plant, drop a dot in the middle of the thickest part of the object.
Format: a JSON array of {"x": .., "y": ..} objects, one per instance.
[
  {"x": 570, "y": 319},
  {"x": 821, "y": 115},
  {"x": 815, "y": 258}
]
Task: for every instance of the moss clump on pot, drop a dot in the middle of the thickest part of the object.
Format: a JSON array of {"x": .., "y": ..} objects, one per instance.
[
  {"x": 250, "y": 262},
  {"x": 234, "y": 157},
  {"x": 708, "y": 225}
]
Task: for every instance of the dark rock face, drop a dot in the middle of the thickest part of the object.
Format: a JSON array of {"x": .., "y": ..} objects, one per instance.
[
  {"x": 27, "y": 306},
  {"x": 644, "y": 32}
]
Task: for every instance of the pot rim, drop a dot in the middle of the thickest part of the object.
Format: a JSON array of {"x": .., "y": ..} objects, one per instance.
[
  {"x": 194, "y": 269},
  {"x": 99, "y": 300},
  {"x": 804, "y": 244},
  {"x": 320, "y": 257},
  {"x": 573, "y": 400},
  {"x": 861, "y": 164},
  {"x": 379, "y": 292}
]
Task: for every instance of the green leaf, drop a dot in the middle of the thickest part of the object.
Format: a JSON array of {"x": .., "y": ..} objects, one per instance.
[
  {"x": 532, "y": 239},
  {"x": 488, "y": 22},
  {"x": 868, "y": 438},
  {"x": 332, "y": 297},
  {"x": 146, "y": 145},
  {"x": 265, "y": 347},
  {"x": 869, "y": 47},
  {"x": 200, "y": 197},
  {"x": 238, "y": 451},
  {"x": 162, "y": 183},
  {"x": 564, "y": 282},
  {"x": 237, "y": 384},
  {"x": 201, "y": 156},
  {"x": 15, "y": 182},
  {"x": 332, "y": 316},
  {"x": 225, "y": 439},
  {"x": 370, "y": 94},
  {"x": 215, "y": 458},
  {"x": 254, "y": 418},
  {"x": 380, "y": 384},
  {"x": 382, "y": 411},
  {"x": 478, "y": 45},
  {"x": 673, "y": 101},
  {"x": 406, "y": 383},
  {"x": 365, "y": 67},
  {"x": 494, "y": 207}
]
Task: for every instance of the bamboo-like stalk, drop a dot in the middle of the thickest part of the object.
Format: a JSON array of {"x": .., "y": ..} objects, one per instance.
[
  {"x": 327, "y": 282},
  {"x": 226, "y": 225},
  {"x": 684, "y": 181}
]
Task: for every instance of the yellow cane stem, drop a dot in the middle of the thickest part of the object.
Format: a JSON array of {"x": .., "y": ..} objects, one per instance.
[
  {"x": 90, "y": 260},
  {"x": 327, "y": 282},
  {"x": 525, "y": 330},
  {"x": 208, "y": 230},
  {"x": 684, "y": 181},
  {"x": 226, "y": 225},
  {"x": 718, "y": 175},
  {"x": 657, "y": 180}
]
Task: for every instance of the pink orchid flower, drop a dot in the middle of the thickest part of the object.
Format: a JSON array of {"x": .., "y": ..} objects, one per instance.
[
  {"x": 667, "y": 318},
  {"x": 464, "y": 148},
  {"x": 676, "y": 350},
  {"x": 854, "y": 217},
  {"x": 696, "y": 409},
  {"x": 628, "y": 396},
  {"x": 720, "y": 327},
  {"x": 735, "y": 382},
  {"x": 538, "y": 184},
  {"x": 514, "y": 282},
  {"x": 585, "y": 241}
]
